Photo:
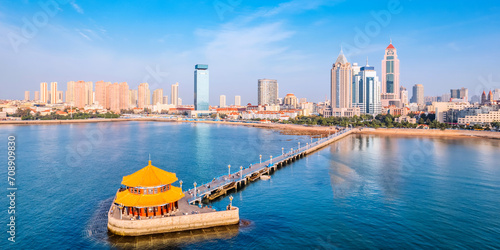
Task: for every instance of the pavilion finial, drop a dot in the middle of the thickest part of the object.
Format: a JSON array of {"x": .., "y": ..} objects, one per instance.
[
  {"x": 390, "y": 40},
  {"x": 149, "y": 159},
  {"x": 341, "y": 50}
]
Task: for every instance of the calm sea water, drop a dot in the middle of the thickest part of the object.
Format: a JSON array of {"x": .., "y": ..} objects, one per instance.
[{"x": 361, "y": 192}]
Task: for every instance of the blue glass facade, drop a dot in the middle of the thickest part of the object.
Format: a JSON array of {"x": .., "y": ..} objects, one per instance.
[{"x": 201, "y": 87}]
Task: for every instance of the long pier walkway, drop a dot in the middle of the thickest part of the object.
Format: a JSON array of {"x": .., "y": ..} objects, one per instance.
[{"x": 221, "y": 185}]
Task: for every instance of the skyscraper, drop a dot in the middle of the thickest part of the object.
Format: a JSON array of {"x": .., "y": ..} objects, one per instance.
[
  {"x": 60, "y": 96},
  {"x": 70, "y": 93},
  {"x": 174, "y": 93},
  {"x": 26, "y": 95},
  {"x": 44, "y": 93},
  {"x": 53, "y": 92},
  {"x": 237, "y": 100},
  {"x": 143, "y": 96},
  {"x": 268, "y": 92},
  {"x": 158, "y": 96},
  {"x": 367, "y": 94},
  {"x": 79, "y": 94},
  {"x": 390, "y": 72},
  {"x": 462, "y": 93},
  {"x": 113, "y": 95},
  {"x": 101, "y": 93},
  {"x": 222, "y": 101},
  {"x": 341, "y": 83},
  {"x": 165, "y": 99},
  {"x": 133, "y": 98},
  {"x": 404, "y": 96},
  {"x": 418, "y": 94},
  {"x": 201, "y": 87},
  {"x": 124, "y": 96},
  {"x": 89, "y": 93},
  {"x": 37, "y": 96}
]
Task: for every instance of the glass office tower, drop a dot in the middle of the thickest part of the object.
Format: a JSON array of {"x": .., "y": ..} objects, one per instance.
[{"x": 201, "y": 87}]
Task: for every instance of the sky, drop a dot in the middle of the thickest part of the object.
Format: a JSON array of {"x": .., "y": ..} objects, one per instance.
[{"x": 441, "y": 44}]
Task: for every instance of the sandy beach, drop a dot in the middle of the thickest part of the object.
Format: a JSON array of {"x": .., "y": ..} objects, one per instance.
[
  {"x": 290, "y": 129},
  {"x": 430, "y": 133}
]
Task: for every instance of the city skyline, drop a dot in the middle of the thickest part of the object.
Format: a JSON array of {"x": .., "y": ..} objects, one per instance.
[{"x": 300, "y": 62}]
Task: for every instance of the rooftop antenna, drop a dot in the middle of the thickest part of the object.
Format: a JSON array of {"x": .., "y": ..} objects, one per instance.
[
  {"x": 149, "y": 157},
  {"x": 390, "y": 40},
  {"x": 367, "y": 61}
]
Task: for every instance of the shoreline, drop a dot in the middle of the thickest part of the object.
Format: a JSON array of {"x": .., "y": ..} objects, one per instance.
[{"x": 289, "y": 129}]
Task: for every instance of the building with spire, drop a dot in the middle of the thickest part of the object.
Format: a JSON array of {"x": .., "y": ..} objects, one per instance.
[
  {"x": 390, "y": 77},
  {"x": 484, "y": 99},
  {"x": 340, "y": 83}
]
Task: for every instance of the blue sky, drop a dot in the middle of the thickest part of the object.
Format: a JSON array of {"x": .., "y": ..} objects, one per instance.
[{"x": 441, "y": 44}]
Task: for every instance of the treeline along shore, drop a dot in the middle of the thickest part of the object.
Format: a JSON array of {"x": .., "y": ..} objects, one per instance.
[{"x": 292, "y": 129}]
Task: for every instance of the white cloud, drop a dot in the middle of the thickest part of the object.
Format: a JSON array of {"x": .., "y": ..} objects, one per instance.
[{"x": 76, "y": 7}]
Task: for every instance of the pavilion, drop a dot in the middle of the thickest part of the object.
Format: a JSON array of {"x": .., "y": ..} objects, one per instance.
[{"x": 148, "y": 193}]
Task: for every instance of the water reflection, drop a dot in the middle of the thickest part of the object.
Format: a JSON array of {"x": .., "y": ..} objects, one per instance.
[{"x": 173, "y": 240}]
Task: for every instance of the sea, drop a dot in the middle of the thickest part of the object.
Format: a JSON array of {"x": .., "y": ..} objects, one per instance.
[{"x": 362, "y": 192}]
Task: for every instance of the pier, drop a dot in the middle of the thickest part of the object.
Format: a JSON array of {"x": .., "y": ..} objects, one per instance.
[{"x": 222, "y": 185}]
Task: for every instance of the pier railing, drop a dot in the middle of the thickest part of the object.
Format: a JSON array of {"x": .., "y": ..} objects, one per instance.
[{"x": 196, "y": 193}]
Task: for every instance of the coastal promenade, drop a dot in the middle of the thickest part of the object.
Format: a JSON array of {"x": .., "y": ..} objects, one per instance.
[{"x": 221, "y": 185}]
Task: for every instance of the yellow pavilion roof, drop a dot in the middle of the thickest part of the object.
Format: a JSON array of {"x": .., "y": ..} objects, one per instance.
[
  {"x": 149, "y": 176},
  {"x": 125, "y": 198}
]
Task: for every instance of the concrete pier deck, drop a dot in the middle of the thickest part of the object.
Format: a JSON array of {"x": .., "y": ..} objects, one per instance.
[{"x": 220, "y": 186}]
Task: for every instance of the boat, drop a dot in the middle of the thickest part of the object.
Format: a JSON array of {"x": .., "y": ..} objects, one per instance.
[{"x": 265, "y": 177}]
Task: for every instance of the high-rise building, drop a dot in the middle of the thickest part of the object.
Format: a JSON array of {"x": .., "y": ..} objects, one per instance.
[
  {"x": 53, "y": 92},
  {"x": 390, "y": 72},
  {"x": 70, "y": 93},
  {"x": 404, "y": 96},
  {"x": 418, "y": 94},
  {"x": 80, "y": 94},
  {"x": 222, "y": 101},
  {"x": 37, "y": 96},
  {"x": 268, "y": 92},
  {"x": 179, "y": 101},
  {"x": 133, "y": 98},
  {"x": 237, "y": 100},
  {"x": 165, "y": 99},
  {"x": 143, "y": 96},
  {"x": 124, "y": 96},
  {"x": 290, "y": 101},
  {"x": 101, "y": 93},
  {"x": 201, "y": 87},
  {"x": 341, "y": 83},
  {"x": 113, "y": 95},
  {"x": 158, "y": 96},
  {"x": 303, "y": 100},
  {"x": 26, "y": 95},
  {"x": 174, "y": 93},
  {"x": 462, "y": 93},
  {"x": 60, "y": 96},
  {"x": 44, "y": 92},
  {"x": 496, "y": 94},
  {"x": 490, "y": 97},
  {"x": 89, "y": 93},
  {"x": 367, "y": 94}
]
